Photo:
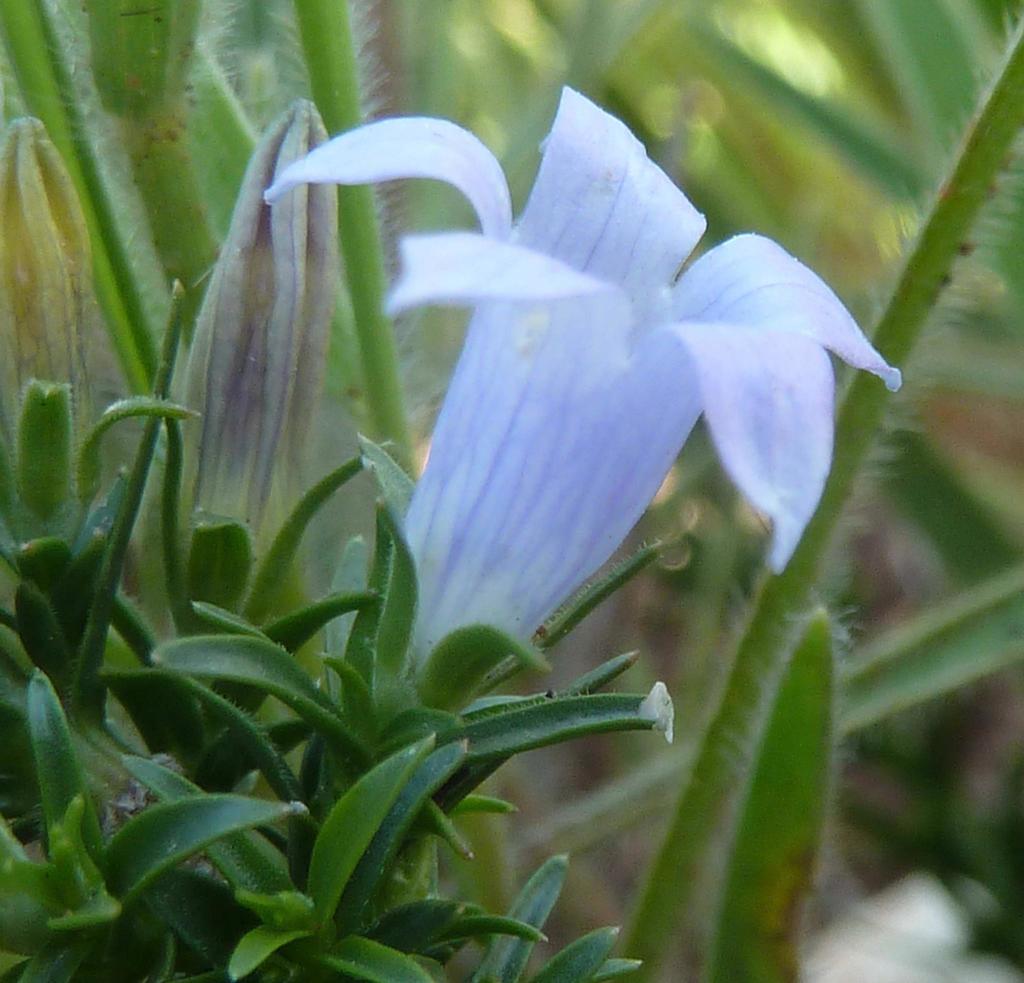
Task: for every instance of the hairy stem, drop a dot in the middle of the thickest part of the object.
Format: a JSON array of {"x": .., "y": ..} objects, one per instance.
[{"x": 722, "y": 761}]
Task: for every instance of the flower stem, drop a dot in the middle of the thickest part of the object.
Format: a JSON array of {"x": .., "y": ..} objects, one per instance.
[
  {"x": 327, "y": 40},
  {"x": 45, "y": 83},
  {"x": 723, "y": 758},
  {"x": 88, "y": 693}
]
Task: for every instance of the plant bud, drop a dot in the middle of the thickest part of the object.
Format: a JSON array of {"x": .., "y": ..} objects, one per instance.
[
  {"x": 45, "y": 270},
  {"x": 256, "y": 367}
]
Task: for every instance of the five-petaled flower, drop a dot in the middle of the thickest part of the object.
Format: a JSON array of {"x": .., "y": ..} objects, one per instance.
[{"x": 588, "y": 360}]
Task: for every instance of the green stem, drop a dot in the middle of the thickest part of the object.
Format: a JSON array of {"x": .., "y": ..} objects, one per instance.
[
  {"x": 170, "y": 533},
  {"x": 88, "y": 691},
  {"x": 45, "y": 83},
  {"x": 334, "y": 78},
  {"x": 158, "y": 147},
  {"x": 722, "y": 760}
]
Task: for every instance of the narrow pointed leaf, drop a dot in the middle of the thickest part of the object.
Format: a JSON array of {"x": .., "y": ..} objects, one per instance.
[
  {"x": 600, "y": 677},
  {"x": 394, "y": 483},
  {"x": 251, "y": 739},
  {"x": 277, "y": 562},
  {"x": 475, "y": 926},
  {"x": 261, "y": 664},
  {"x": 580, "y": 960},
  {"x": 295, "y": 629},
  {"x": 414, "y": 926},
  {"x": 201, "y": 912},
  {"x": 535, "y": 723},
  {"x": 89, "y": 461},
  {"x": 58, "y": 770},
  {"x": 364, "y": 959},
  {"x": 246, "y": 859},
  {"x": 54, "y": 965},
  {"x": 506, "y": 958},
  {"x": 568, "y": 617},
  {"x": 772, "y": 859},
  {"x": 352, "y": 824},
  {"x": 163, "y": 835},
  {"x": 257, "y": 946},
  {"x": 398, "y": 611},
  {"x": 221, "y": 620},
  {"x": 430, "y": 774},
  {"x": 614, "y": 969}
]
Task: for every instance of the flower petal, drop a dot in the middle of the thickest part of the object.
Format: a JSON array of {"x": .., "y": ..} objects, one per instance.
[
  {"x": 752, "y": 280},
  {"x": 406, "y": 148},
  {"x": 536, "y": 472},
  {"x": 464, "y": 268},
  {"x": 768, "y": 400},
  {"x": 601, "y": 205}
]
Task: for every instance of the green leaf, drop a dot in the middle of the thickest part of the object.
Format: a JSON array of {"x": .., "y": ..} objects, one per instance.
[
  {"x": 599, "y": 678},
  {"x": 57, "y": 965},
  {"x": 460, "y": 663},
  {"x": 509, "y": 728},
  {"x": 250, "y": 738},
  {"x": 247, "y": 860},
  {"x": 295, "y": 629},
  {"x": 88, "y": 694},
  {"x": 413, "y": 927},
  {"x": 100, "y": 909},
  {"x": 381, "y": 632},
  {"x": 43, "y": 560},
  {"x": 505, "y": 958},
  {"x": 40, "y": 632},
  {"x": 394, "y": 483},
  {"x": 772, "y": 859},
  {"x": 364, "y": 959},
  {"x": 484, "y": 803},
  {"x": 521, "y": 726},
  {"x": 580, "y": 960},
  {"x": 44, "y": 447},
  {"x": 257, "y": 946},
  {"x": 568, "y": 617},
  {"x": 349, "y": 577},
  {"x": 219, "y": 560},
  {"x": 168, "y": 718},
  {"x": 201, "y": 912},
  {"x": 476, "y": 926},
  {"x": 58, "y": 770},
  {"x": 222, "y": 620},
  {"x": 278, "y": 560},
  {"x": 375, "y": 863},
  {"x": 261, "y": 664},
  {"x": 354, "y": 821},
  {"x": 614, "y": 969},
  {"x": 958, "y": 642},
  {"x": 163, "y": 835},
  {"x": 89, "y": 461}
]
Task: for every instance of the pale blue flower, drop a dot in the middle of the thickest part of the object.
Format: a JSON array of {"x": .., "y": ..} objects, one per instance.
[{"x": 589, "y": 359}]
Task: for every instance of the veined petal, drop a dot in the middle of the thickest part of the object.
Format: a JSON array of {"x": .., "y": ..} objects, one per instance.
[
  {"x": 536, "y": 471},
  {"x": 601, "y": 205},
  {"x": 464, "y": 268},
  {"x": 768, "y": 400},
  {"x": 752, "y": 280},
  {"x": 411, "y": 147}
]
